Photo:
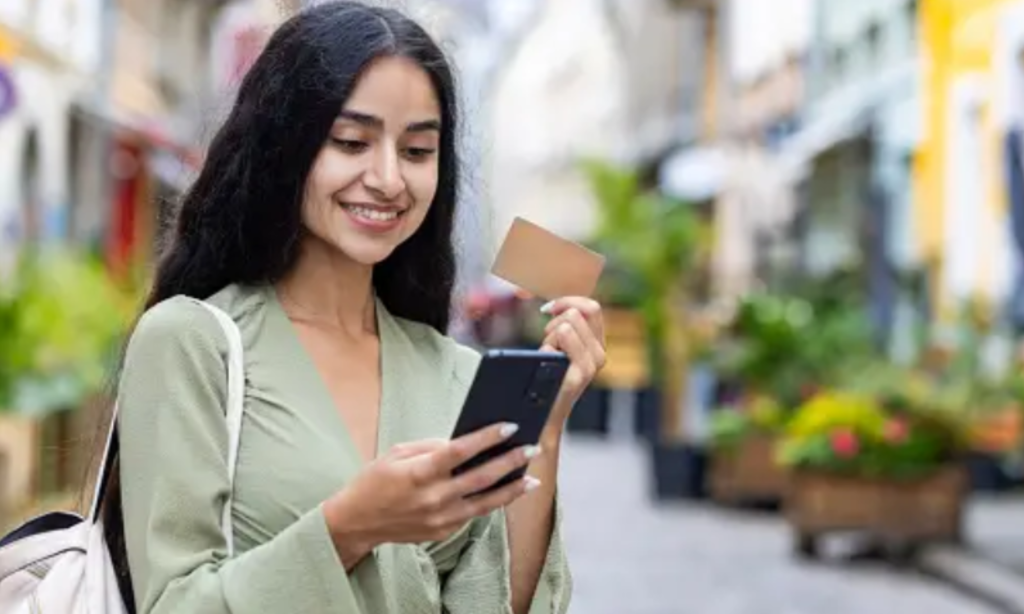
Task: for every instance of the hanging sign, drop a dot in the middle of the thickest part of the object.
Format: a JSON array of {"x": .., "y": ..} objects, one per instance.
[{"x": 8, "y": 98}]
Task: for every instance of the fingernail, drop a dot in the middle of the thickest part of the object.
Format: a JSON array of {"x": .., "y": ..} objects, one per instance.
[
  {"x": 547, "y": 307},
  {"x": 532, "y": 483},
  {"x": 509, "y": 429},
  {"x": 531, "y": 451}
]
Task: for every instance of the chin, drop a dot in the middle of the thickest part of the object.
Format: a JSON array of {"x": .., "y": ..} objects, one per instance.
[{"x": 368, "y": 255}]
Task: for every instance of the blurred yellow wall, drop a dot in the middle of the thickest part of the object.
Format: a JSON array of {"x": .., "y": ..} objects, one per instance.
[
  {"x": 958, "y": 41},
  {"x": 7, "y": 45}
]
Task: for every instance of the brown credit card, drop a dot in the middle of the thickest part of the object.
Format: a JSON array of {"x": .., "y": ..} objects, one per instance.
[{"x": 546, "y": 265}]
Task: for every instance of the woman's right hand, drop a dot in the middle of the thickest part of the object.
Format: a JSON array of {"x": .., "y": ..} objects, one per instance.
[{"x": 410, "y": 496}]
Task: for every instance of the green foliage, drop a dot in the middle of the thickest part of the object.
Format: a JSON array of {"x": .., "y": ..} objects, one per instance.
[
  {"x": 761, "y": 416},
  {"x": 650, "y": 241},
  {"x": 61, "y": 318},
  {"x": 783, "y": 345},
  {"x": 854, "y": 434},
  {"x": 729, "y": 427}
]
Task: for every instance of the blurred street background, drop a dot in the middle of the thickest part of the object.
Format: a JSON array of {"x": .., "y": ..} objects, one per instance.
[{"x": 813, "y": 216}]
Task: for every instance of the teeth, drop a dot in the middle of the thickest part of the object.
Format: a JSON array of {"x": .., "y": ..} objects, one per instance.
[{"x": 373, "y": 214}]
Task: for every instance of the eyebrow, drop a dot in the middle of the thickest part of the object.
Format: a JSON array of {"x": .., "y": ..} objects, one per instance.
[{"x": 371, "y": 121}]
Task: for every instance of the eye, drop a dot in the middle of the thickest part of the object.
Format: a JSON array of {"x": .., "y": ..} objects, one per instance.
[
  {"x": 350, "y": 145},
  {"x": 418, "y": 153}
]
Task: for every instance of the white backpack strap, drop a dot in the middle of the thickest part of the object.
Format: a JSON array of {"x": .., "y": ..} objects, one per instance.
[
  {"x": 235, "y": 408},
  {"x": 236, "y": 403},
  {"x": 103, "y": 480}
]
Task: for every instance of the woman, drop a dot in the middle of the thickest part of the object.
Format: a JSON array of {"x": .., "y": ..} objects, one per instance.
[{"x": 322, "y": 224}]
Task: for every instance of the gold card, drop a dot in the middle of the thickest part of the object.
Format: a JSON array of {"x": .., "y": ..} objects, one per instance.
[{"x": 546, "y": 265}]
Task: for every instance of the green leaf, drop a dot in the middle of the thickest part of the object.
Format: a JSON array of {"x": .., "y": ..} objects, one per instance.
[{"x": 61, "y": 319}]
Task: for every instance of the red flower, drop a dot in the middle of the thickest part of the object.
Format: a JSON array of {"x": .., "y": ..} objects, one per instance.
[
  {"x": 896, "y": 431},
  {"x": 845, "y": 443}
]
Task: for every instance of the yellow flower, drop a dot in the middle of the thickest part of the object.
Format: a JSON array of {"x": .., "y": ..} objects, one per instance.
[{"x": 826, "y": 412}]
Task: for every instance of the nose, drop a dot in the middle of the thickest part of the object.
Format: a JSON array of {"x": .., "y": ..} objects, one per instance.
[{"x": 384, "y": 175}]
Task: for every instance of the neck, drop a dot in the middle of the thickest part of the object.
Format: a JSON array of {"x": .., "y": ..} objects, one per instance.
[{"x": 329, "y": 288}]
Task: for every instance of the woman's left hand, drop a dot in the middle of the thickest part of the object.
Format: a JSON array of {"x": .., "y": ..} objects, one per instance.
[{"x": 577, "y": 329}]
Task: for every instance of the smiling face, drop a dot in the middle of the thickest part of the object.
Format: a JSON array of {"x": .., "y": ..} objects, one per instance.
[{"x": 372, "y": 183}]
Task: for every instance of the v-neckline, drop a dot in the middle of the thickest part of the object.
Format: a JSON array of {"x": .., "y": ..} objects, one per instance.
[{"x": 324, "y": 390}]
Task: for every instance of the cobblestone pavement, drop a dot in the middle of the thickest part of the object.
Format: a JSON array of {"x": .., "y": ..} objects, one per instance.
[
  {"x": 995, "y": 529},
  {"x": 630, "y": 556}
]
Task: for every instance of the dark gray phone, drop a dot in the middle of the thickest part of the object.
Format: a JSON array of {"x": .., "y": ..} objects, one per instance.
[{"x": 517, "y": 386}]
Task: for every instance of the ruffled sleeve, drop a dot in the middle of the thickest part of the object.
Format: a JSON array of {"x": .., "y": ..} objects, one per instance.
[
  {"x": 480, "y": 580},
  {"x": 476, "y": 579}
]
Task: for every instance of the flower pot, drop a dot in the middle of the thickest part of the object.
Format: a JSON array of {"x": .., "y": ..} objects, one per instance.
[
  {"x": 987, "y": 474},
  {"x": 590, "y": 415},
  {"x": 627, "y": 366},
  {"x": 897, "y": 512},
  {"x": 747, "y": 473},
  {"x": 647, "y": 414},
  {"x": 678, "y": 471}
]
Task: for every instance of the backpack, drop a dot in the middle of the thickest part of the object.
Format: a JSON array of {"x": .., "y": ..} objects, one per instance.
[{"x": 60, "y": 562}]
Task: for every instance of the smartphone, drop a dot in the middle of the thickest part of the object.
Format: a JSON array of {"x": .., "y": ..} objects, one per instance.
[{"x": 518, "y": 386}]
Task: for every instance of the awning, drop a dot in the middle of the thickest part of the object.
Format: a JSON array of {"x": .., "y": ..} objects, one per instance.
[
  {"x": 841, "y": 116},
  {"x": 152, "y": 135},
  {"x": 830, "y": 130}
]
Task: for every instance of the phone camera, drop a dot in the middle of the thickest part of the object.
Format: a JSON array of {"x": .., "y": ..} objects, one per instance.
[{"x": 547, "y": 371}]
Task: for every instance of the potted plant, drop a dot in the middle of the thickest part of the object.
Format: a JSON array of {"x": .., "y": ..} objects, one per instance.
[
  {"x": 782, "y": 347},
  {"x": 787, "y": 344},
  {"x": 986, "y": 389},
  {"x": 762, "y": 348},
  {"x": 889, "y": 467},
  {"x": 62, "y": 317},
  {"x": 995, "y": 436},
  {"x": 743, "y": 466},
  {"x": 655, "y": 240}
]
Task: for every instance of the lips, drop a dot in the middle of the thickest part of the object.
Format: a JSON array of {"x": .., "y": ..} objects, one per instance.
[{"x": 374, "y": 218}]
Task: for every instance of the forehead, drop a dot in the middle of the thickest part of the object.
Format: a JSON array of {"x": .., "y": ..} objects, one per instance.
[{"x": 397, "y": 90}]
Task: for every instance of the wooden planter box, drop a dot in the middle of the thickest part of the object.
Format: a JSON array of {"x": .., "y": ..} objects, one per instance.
[
  {"x": 900, "y": 513},
  {"x": 19, "y": 461},
  {"x": 50, "y": 456},
  {"x": 747, "y": 473}
]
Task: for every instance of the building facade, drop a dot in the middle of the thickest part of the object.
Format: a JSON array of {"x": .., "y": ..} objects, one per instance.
[
  {"x": 608, "y": 79},
  {"x": 109, "y": 102},
  {"x": 50, "y": 56},
  {"x": 560, "y": 97},
  {"x": 851, "y": 159},
  {"x": 751, "y": 80},
  {"x": 969, "y": 200}
]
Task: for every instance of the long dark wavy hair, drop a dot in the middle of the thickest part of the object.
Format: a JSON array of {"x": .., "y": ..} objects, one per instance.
[{"x": 241, "y": 220}]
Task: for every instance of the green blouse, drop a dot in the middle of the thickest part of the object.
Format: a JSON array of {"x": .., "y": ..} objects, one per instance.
[{"x": 295, "y": 452}]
